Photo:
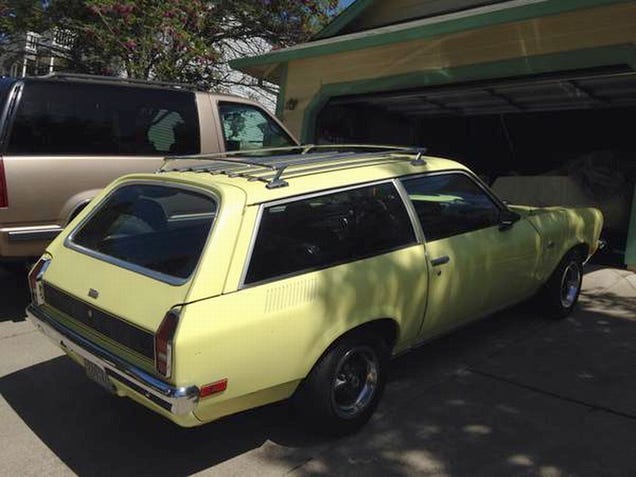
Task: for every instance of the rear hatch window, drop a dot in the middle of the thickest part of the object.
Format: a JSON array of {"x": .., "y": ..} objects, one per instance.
[{"x": 156, "y": 230}]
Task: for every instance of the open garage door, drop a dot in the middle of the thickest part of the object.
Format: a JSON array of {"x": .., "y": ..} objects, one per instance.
[{"x": 566, "y": 139}]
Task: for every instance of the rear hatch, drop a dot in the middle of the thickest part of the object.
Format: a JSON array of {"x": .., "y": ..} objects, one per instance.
[{"x": 127, "y": 263}]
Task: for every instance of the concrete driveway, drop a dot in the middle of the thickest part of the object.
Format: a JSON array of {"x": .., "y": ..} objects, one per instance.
[{"x": 515, "y": 394}]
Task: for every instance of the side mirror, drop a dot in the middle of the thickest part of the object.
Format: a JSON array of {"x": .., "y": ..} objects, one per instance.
[{"x": 507, "y": 219}]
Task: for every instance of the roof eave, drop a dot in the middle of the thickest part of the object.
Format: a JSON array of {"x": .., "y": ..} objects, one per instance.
[{"x": 515, "y": 10}]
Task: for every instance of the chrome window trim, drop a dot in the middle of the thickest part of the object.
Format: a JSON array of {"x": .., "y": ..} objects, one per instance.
[
  {"x": 175, "y": 281},
  {"x": 250, "y": 249},
  {"x": 410, "y": 208},
  {"x": 76, "y": 210},
  {"x": 498, "y": 203},
  {"x": 286, "y": 200},
  {"x": 491, "y": 195}
]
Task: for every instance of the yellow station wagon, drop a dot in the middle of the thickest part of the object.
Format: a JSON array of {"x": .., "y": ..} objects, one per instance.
[{"x": 222, "y": 283}]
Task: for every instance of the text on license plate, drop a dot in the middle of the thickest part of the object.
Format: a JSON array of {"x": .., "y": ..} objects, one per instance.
[{"x": 98, "y": 374}]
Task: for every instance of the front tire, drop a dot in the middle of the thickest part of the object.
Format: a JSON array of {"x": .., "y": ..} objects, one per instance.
[
  {"x": 562, "y": 290},
  {"x": 344, "y": 388}
]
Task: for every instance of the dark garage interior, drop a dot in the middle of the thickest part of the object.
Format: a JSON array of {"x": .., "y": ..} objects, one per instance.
[{"x": 562, "y": 139}]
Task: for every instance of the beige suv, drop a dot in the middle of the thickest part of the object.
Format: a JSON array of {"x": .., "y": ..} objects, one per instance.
[{"x": 64, "y": 137}]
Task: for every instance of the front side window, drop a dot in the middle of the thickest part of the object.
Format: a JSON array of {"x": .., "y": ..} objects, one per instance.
[
  {"x": 160, "y": 229},
  {"x": 329, "y": 229},
  {"x": 450, "y": 204},
  {"x": 55, "y": 118},
  {"x": 247, "y": 127}
]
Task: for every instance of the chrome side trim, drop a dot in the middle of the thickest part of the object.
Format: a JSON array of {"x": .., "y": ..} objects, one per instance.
[
  {"x": 176, "y": 400},
  {"x": 33, "y": 233}
]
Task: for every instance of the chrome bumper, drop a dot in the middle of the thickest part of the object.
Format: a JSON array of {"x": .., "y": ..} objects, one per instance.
[{"x": 177, "y": 401}]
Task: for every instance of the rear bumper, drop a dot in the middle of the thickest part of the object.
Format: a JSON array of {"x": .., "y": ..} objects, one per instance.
[{"x": 176, "y": 401}]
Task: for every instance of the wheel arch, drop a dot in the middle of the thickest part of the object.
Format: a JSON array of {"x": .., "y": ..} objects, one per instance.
[{"x": 388, "y": 329}]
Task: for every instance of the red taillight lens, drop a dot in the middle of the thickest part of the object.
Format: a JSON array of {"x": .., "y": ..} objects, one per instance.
[
  {"x": 164, "y": 341},
  {"x": 4, "y": 195},
  {"x": 35, "y": 280}
]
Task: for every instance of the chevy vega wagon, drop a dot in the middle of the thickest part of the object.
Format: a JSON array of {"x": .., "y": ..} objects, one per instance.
[{"x": 207, "y": 289}]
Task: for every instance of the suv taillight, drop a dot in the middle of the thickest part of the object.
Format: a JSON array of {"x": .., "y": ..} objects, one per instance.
[
  {"x": 4, "y": 195},
  {"x": 164, "y": 342},
  {"x": 35, "y": 279}
]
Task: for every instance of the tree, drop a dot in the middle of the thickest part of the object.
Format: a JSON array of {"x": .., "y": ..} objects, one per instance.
[
  {"x": 182, "y": 40},
  {"x": 16, "y": 18}
]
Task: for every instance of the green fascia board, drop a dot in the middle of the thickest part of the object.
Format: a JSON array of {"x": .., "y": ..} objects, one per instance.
[
  {"x": 344, "y": 18},
  {"x": 516, "y": 67},
  {"x": 399, "y": 33}
]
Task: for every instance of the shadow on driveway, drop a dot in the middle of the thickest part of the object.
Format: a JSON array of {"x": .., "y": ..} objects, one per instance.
[
  {"x": 14, "y": 294},
  {"x": 516, "y": 394}
]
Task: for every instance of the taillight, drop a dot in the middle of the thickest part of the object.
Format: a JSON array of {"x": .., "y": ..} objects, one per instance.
[
  {"x": 164, "y": 343},
  {"x": 4, "y": 194},
  {"x": 35, "y": 279}
]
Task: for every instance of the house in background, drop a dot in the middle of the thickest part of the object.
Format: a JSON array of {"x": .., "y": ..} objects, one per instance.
[
  {"x": 35, "y": 54},
  {"x": 539, "y": 96}
]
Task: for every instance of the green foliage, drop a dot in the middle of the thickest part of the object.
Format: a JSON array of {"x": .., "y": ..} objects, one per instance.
[{"x": 180, "y": 40}]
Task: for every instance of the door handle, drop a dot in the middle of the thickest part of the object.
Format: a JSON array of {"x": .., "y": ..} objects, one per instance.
[{"x": 440, "y": 260}]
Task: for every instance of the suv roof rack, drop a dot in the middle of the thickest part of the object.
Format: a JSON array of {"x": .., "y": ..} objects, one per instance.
[
  {"x": 116, "y": 79},
  {"x": 270, "y": 169}
]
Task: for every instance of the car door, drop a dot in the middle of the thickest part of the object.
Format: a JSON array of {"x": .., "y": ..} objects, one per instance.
[{"x": 476, "y": 266}]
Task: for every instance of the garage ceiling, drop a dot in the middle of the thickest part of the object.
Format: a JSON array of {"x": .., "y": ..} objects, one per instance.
[{"x": 582, "y": 91}]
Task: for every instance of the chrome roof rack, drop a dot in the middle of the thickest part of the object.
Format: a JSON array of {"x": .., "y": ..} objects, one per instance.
[
  {"x": 268, "y": 165},
  {"x": 117, "y": 80}
]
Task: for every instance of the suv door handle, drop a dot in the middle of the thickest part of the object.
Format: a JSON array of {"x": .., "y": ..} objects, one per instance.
[{"x": 440, "y": 260}]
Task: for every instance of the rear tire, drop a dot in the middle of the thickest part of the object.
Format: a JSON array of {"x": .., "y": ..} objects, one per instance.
[
  {"x": 344, "y": 387},
  {"x": 562, "y": 290}
]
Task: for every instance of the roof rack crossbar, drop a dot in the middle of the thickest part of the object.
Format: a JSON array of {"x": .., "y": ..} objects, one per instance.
[{"x": 232, "y": 164}]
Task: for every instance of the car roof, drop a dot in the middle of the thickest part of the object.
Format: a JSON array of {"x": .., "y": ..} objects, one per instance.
[
  {"x": 126, "y": 82},
  {"x": 300, "y": 174}
]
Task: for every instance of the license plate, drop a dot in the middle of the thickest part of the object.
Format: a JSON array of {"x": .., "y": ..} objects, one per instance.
[{"x": 98, "y": 374}]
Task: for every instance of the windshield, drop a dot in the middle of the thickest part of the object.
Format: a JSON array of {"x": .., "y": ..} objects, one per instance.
[{"x": 156, "y": 230}]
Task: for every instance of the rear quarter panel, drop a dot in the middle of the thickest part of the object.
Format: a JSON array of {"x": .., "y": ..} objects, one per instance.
[{"x": 270, "y": 335}]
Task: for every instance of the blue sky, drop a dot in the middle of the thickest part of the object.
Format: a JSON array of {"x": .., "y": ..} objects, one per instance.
[{"x": 346, "y": 3}]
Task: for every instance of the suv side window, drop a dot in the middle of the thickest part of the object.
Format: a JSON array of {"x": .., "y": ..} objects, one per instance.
[
  {"x": 329, "y": 229},
  {"x": 55, "y": 118},
  {"x": 450, "y": 204},
  {"x": 248, "y": 127}
]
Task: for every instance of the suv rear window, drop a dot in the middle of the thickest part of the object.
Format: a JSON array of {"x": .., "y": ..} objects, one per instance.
[
  {"x": 149, "y": 228},
  {"x": 55, "y": 118},
  {"x": 329, "y": 229}
]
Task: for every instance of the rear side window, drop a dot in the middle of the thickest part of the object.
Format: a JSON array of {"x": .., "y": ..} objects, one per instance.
[
  {"x": 335, "y": 228},
  {"x": 156, "y": 228},
  {"x": 56, "y": 118},
  {"x": 248, "y": 127}
]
